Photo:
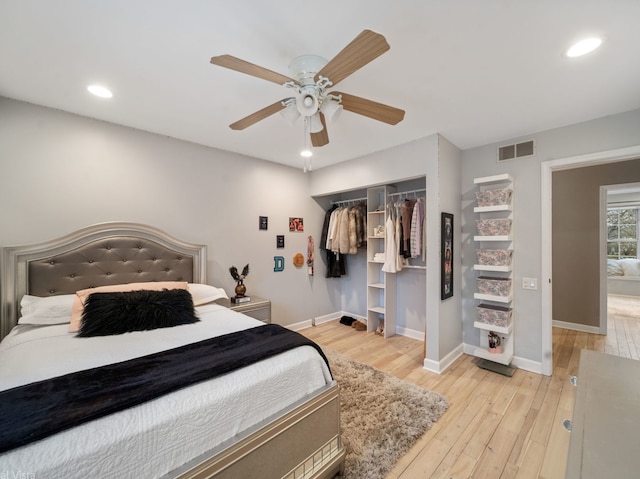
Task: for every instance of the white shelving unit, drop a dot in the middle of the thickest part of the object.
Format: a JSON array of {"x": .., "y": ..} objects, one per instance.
[
  {"x": 381, "y": 287},
  {"x": 495, "y": 242}
]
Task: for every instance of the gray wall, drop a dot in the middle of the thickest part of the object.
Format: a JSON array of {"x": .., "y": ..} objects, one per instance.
[
  {"x": 60, "y": 172},
  {"x": 607, "y": 133},
  {"x": 576, "y": 238}
]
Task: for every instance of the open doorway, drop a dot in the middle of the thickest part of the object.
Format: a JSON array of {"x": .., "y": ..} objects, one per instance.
[
  {"x": 620, "y": 239},
  {"x": 547, "y": 169}
]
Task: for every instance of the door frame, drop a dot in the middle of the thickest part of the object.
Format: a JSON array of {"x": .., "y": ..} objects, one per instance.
[{"x": 547, "y": 169}]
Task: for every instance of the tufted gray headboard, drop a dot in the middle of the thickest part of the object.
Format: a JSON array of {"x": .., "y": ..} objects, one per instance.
[{"x": 102, "y": 254}]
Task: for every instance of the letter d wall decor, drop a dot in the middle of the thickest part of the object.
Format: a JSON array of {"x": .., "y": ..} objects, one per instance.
[{"x": 278, "y": 263}]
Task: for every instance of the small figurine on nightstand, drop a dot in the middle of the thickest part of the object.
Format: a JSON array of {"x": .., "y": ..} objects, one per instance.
[{"x": 241, "y": 289}]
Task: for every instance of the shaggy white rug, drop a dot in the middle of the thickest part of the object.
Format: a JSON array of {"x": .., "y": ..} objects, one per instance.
[{"x": 381, "y": 416}]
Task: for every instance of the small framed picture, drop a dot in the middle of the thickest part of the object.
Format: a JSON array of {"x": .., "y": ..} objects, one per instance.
[
  {"x": 263, "y": 222},
  {"x": 279, "y": 241},
  {"x": 296, "y": 224}
]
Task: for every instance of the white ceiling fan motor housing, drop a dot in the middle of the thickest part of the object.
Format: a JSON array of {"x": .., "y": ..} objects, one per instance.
[{"x": 303, "y": 70}]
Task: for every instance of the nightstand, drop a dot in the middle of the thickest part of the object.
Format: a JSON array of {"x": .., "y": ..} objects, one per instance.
[{"x": 258, "y": 308}]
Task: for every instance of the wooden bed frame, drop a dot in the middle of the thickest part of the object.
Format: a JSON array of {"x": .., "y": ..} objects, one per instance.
[{"x": 302, "y": 441}]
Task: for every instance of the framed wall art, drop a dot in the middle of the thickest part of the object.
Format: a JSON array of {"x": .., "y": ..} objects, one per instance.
[
  {"x": 296, "y": 224},
  {"x": 446, "y": 256}
]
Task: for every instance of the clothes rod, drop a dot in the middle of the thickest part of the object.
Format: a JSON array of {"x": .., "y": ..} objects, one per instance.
[
  {"x": 410, "y": 192},
  {"x": 344, "y": 202}
]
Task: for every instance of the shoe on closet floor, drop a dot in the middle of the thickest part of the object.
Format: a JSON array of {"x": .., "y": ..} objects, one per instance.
[
  {"x": 359, "y": 326},
  {"x": 347, "y": 320},
  {"x": 380, "y": 329}
]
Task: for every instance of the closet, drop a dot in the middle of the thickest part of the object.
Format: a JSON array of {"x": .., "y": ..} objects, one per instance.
[{"x": 382, "y": 311}]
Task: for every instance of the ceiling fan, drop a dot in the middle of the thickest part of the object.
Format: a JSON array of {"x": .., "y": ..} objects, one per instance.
[{"x": 311, "y": 79}]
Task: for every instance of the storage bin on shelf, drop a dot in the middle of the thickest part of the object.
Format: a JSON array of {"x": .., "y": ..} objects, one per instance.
[
  {"x": 494, "y": 315},
  {"x": 494, "y": 227},
  {"x": 494, "y": 286},
  {"x": 494, "y": 197},
  {"x": 494, "y": 257}
]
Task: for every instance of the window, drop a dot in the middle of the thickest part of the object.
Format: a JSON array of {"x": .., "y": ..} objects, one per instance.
[{"x": 622, "y": 233}]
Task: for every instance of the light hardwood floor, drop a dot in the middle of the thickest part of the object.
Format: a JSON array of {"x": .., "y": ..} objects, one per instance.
[{"x": 496, "y": 426}]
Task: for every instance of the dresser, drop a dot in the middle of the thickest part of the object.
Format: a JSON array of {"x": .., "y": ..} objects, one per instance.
[
  {"x": 605, "y": 430},
  {"x": 258, "y": 308}
]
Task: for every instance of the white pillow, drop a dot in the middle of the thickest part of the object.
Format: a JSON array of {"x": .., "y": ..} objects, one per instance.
[
  {"x": 46, "y": 310},
  {"x": 631, "y": 267},
  {"x": 204, "y": 293},
  {"x": 614, "y": 268}
]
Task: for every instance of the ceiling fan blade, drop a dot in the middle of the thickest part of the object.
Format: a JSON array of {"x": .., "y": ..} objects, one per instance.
[
  {"x": 365, "y": 48},
  {"x": 233, "y": 63},
  {"x": 370, "y": 108},
  {"x": 322, "y": 137},
  {"x": 257, "y": 116}
]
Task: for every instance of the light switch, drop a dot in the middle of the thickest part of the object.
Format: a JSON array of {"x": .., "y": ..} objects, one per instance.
[{"x": 529, "y": 283}]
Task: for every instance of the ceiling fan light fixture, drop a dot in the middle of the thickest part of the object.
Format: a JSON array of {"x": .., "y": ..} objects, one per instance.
[
  {"x": 307, "y": 101},
  {"x": 315, "y": 123},
  {"x": 331, "y": 109},
  {"x": 290, "y": 113}
]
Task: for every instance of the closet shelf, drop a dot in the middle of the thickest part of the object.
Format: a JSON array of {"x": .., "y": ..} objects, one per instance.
[
  {"x": 493, "y": 238},
  {"x": 489, "y": 267},
  {"x": 504, "y": 358},
  {"x": 490, "y": 297},
  {"x": 377, "y": 285},
  {"x": 377, "y": 309},
  {"x": 497, "y": 329},
  {"x": 493, "y": 179},
  {"x": 491, "y": 209}
]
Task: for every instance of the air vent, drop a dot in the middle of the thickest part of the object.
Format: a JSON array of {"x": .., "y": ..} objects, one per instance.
[{"x": 517, "y": 150}]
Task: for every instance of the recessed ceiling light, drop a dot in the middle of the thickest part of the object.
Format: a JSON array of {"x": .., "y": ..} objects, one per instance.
[
  {"x": 306, "y": 153},
  {"x": 100, "y": 91},
  {"x": 583, "y": 47}
]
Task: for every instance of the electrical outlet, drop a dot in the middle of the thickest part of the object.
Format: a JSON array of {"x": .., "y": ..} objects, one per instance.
[{"x": 529, "y": 283}]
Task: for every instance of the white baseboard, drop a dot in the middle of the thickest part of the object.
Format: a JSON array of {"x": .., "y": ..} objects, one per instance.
[
  {"x": 527, "y": 365},
  {"x": 583, "y": 328},
  {"x": 410, "y": 333},
  {"x": 301, "y": 325},
  {"x": 441, "y": 366}
]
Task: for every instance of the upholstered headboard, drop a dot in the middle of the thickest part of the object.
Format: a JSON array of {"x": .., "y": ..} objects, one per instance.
[{"x": 102, "y": 254}]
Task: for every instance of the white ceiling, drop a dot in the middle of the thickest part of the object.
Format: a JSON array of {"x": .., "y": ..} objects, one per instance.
[{"x": 476, "y": 71}]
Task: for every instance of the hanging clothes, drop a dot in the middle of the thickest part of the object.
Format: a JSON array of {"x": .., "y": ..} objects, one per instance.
[
  {"x": 417, "y": 225},
  {"x": 336, "y": 264},
  {"x": 390, "y": 243},
  {"x": 344, "y": 231},
  {"x": 406, "y": 212}
]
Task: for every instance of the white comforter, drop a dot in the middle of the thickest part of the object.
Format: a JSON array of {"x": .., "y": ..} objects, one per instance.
[{"x": 168, "y": 431}]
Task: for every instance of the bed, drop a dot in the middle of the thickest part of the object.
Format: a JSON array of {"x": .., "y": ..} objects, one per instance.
[{"x": 274, "y": 418}]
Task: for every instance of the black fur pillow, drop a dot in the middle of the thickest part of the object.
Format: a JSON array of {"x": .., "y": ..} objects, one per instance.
[{"x": 106, "y": 314}]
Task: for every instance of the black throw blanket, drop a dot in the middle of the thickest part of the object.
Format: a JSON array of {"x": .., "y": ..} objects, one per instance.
[{"x": 37, "y": 410}]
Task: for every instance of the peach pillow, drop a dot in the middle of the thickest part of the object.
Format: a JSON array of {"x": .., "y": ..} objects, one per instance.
[{"x": 81, "y": 296}]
